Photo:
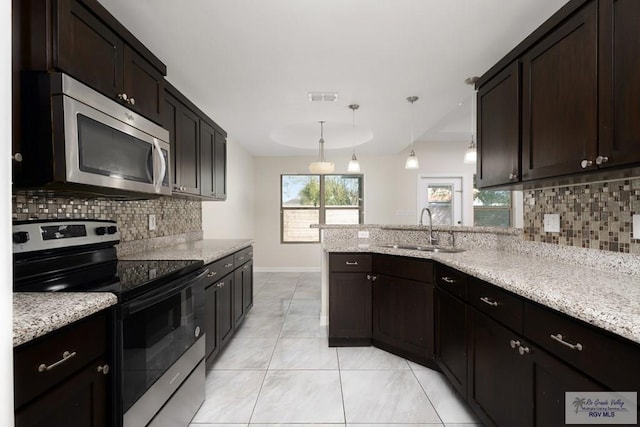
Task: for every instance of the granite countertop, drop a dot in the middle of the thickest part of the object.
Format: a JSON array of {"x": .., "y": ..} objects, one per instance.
[
  {"x": 207, "y": 250},
  {"x": 605, "y": 299},
  {"x": 38, "y": 313}
]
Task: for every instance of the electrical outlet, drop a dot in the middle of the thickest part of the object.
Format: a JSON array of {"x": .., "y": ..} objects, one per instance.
[
  {"x": 552, "y": 223},
  {"x": 152, "y": 222},
  {"x": 363, "y": 234},
  {"x": 636, "y": 227}
]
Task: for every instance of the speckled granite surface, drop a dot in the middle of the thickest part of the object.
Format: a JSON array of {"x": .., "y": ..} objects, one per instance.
[
  {"x": 602, "y": 298},
  {"x": 37, "y": 313},
  {"x": 207, "y": 250}
]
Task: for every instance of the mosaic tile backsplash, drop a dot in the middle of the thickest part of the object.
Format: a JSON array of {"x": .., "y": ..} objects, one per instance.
[
  {"x": 596, "y": 216},
  {"x": 173, "y": 216}
]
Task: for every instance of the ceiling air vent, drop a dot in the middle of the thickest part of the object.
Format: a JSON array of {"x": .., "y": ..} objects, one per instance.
[{"x": 323, "y": 96}]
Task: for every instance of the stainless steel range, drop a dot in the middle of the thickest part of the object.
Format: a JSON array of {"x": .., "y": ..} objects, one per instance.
[{"x": 158, "y": 323}]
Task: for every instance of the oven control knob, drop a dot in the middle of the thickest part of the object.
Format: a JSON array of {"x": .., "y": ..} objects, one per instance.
[
  {"x": 197, "y": 331},
  {"x": 101, "y": 231},
  {"x": 20, "y": 237},
  {"x": 112, "y": 229}
]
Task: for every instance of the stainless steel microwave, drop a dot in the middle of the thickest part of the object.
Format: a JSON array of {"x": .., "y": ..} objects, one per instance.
[{"x": 77, "y": 139}]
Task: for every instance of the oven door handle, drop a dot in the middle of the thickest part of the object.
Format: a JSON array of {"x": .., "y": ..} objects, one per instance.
[{"x": 150, "y": 300}]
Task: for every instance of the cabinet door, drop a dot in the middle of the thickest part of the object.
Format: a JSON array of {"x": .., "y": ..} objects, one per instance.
[
  {"x": 144, "y": 86},
  {"x": 238, "y": 297},
  {"x": 499, "y": 128},
  {"x": 225, "y": 309},
  {"x": 619, "y": 83},
  {"x": 207, "y": 160},
  {"x": 87, "y": 49},
  {"x": 560, "y": 98},
  {"x": 212, "y": 342},
  {"x": 220, "y": 167},
  {"x": 403, "y": 317},
  {"x": 81, "y": 401},
  {"x": 187, "y": 151},
  {"x": 247, "y": 285},
  {"x": 451, "y": 339},
  {"x": 500, "y": 383},
  {"x": 171, "y": 111},
  {"x": 349, "y": 309}
]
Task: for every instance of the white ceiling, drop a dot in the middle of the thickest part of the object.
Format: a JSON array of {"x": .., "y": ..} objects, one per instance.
[{"x": 249, "y": 64}]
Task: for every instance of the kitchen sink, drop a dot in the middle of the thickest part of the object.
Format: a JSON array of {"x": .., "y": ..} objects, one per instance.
[{"x": 426, "y": 248}]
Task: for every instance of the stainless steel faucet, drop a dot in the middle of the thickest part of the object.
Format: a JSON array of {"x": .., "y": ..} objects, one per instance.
[{"x": 432, "y": 240}]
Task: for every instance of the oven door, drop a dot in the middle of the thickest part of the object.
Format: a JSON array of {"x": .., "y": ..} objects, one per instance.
[
  {"x": 157, "y": 329},
  {"x": 105, "y": 146}
]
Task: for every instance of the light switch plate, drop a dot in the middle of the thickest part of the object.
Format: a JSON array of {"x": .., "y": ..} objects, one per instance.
[
  {"x": 636, "y": 227},
  {"x": 551, "y": 223},
  {"x": 152, "y": 222},
  {"x": 363, "y": 234}
]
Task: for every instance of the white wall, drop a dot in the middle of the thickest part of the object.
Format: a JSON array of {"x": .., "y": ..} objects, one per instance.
[
  {"x": 389, "y": 189},
  {"x": 6, "y": 298},
  {"x": 233, "y": 218}
]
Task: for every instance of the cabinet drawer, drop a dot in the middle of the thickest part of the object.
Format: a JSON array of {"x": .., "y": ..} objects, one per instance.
[
  {"x": 243, "y": 256},
  {"x": 496, "y": 303},
  {"x": 220, "y": 268},
  {"x": 584, "y": 347},
  {"x": 84, "y": 341},
  {"x": 452, "y": 281},
  {"x": 350, "y": 262},
  {"x": 405, "y": 268}
]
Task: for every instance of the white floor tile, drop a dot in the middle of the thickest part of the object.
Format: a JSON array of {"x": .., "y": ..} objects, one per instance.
[
  {"x": 230, "y": 396},
  {"x": 277, "y": 309},
  {"x": 417, "y": 367},
  {"x": 444, "y": 398},
  {"x": 297, "y": 425},
  {"x": 300, "y": 397},
  {"x": 395, "y": 425},
  {"x": 368, "y": 358},
  {"x": 302, "y": 307},
  {"x": 304, "y": 353},
  {"x": 385, "y": 397},
  {"x": 303, "y": 327},
  {"x": 256, "y": 326},
  {"x": 217, "y": 425},
  {"x": 246, "y": 353}
]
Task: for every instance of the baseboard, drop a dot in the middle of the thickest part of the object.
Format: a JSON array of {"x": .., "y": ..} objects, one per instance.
[{"x": 286, "y": 269}]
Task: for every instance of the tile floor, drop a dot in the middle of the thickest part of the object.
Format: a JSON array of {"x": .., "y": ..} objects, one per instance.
[{"x": 278, "y": 371}]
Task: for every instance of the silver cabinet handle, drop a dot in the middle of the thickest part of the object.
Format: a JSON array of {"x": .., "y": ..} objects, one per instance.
[
  {"x": 17, "y": 157},
  {"x": 351, "y": 262},
  {"x": 212, "y": 273},
  {"x": 601, "y": 159},
  {"x": 514, "y": 343},
  {"x": 448, "y": 279},
  {"x": 489, "y": 302},
  {"x": 123, "y": 97},
  {"x": 245, "y": 267},
  {"x": 132, "y": 101},
  {"x": 586, "y": 163},
  {"x": 104, "y": 369},
  {"x": 558, "y": 338},
  {"x": 65, "y": 356},
  {"x": 220, "y": 285},
  {"x": 372, "y": 277},
  {"x": 240, "y": 258},
  {"x": 513, "y": 176},
  {"x": 523, "y": 350},
  {"x": 228, "y": 265}
]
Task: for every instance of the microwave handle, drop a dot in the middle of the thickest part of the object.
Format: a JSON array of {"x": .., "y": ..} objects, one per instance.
[{"x": 157, "y": 180}]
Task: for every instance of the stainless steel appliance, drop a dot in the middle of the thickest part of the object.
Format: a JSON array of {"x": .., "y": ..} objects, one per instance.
[
  {"x": 77, "y": 139},
  {"x": 158, "y": 335}
]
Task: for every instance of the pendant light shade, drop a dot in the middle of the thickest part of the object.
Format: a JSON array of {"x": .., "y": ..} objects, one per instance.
[
  {"x": 412, "y": 160},
  {"x": 354, "y": 164},
  {"x": 321, "y": 166},
  {"x": 471, "y": 153}
]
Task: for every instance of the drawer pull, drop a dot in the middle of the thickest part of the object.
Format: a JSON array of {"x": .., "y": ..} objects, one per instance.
[
  {"x": 240, "y": 258},
  {"x": 103, "y": 369},
  {"x": 220, "y": 285},
  {"x": 65, "y": 356},
  {"x": 228, "y": 265},
  {"x": 372, "y": 277},
  {"x": 514, "y": 343},
  {"x": 448, "y": 279},
  {"x": 523, "y": 350},
  {"x": 245, "y": 267},
  {"x": 212, "y": 273},
  {"x": 487, "y": 301},
  {"x": 351, "y": 263},
  {"x": 558, "y": 337}
]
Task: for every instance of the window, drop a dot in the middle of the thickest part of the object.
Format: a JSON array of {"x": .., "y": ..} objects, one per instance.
[
  {"x": 491, "y": 208},
  {"x": 318, "y": 199}
]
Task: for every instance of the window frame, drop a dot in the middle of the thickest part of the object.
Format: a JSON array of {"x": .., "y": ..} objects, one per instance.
[
  {"x": 509, "y": 208},
  {"x": 321, "y": 208}
]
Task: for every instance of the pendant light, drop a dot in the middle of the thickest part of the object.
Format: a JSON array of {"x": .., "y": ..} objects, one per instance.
[
  {"x": 321, "y": 166},
  {"x": 412, "y": 160},
  {"x": 354, "y": 165},
  {"x": 471, "y": 153}
]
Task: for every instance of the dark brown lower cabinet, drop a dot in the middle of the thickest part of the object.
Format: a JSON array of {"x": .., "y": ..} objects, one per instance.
[
  {"x": 225, "y": 309},
  {"x": 212, "y": 342},
  {"x": 515, "y": 383},
  {"x": 349, "y": 309},
  {"x": 451, "y": 339},
  {"x": 247, "y": 285},
  {"x": 238, "y": 298},
  {"x": 403, "y": 317}
]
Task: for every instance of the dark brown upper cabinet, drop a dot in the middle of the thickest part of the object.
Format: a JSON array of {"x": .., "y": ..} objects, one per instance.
[
  {"x": 560, "y": 99},
  {"x": 213, "y": 165},
  {"x": 499, "y": 128},
  {"x": 80, "y": 38},
  {"x": 619, "y": 68}
]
